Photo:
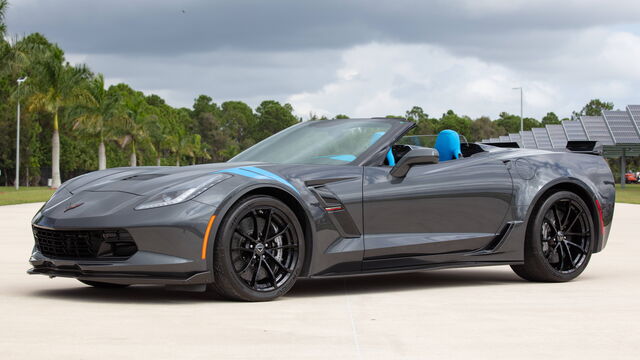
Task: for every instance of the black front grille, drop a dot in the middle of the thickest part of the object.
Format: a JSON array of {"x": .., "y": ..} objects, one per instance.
[{"x": 97, "y": 244}]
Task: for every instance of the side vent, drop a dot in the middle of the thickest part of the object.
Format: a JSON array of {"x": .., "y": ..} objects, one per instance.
[
  {"x": 498, "y": 240},
  {"x": 338, "y": 214}
]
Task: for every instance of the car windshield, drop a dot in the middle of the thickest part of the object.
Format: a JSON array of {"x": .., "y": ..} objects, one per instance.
[{"x": 327, "y": 142}]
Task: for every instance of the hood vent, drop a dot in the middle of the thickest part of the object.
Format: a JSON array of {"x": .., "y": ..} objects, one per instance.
[{"x": 142, "y": 177}]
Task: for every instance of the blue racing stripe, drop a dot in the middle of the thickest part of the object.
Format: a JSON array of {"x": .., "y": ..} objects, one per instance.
[{"x": 257, "y": 173}]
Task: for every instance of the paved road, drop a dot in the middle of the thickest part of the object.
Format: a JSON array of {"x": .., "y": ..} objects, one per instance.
[{"x": 482, "y": 313}]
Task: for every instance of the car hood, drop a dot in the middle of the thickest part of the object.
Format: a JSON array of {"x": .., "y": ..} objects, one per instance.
[{"x": 145, "y": 180}]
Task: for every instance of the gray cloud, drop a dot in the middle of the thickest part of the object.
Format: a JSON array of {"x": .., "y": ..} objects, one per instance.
[
  {"x": 565, "y": 51},
  {"x": 161, "y": 27}
]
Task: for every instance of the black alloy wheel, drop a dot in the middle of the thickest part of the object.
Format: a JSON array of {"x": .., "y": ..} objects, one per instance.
[
  {"x": 560, "y": 240},
  {"x": 260, "y": 251}
]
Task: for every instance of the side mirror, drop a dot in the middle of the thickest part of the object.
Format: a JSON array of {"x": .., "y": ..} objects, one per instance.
[{"x": 420, "y": 156}]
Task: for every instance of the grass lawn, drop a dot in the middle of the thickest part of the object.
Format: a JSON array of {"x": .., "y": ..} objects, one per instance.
[
  {"x": 630, "y": 194},
  {"x": 9, "y": 195}
]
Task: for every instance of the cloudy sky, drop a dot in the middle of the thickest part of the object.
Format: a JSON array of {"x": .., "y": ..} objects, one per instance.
[{"x": 361, "y": 58}]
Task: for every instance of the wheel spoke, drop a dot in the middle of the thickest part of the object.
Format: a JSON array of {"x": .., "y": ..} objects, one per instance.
[
  {"x": 267, "y": 225},
  {"x": 562, "y": 256},
  {"x": 271, "y": 274},
  {"x": 577, "y": 234},
  {"x": 248, "y": 237},
  {"x": 245, "y": 267},
  {"x": 555, "y": 215},
  {"x": 252, "y": 284},
  {"x": 278, "y": 262},
  {"x": 254, "y": 217},
  {"x": 292, "y": 246},
  {"x": 582, "y": 250},
  {"x": 566, "y": 218},
  {"x": 242, "y": 249},
  {"x": 574, "y": 220},
  {"x": 569, "y": 255},
  {"x": 552, "y": 252},
  {"x": 278, "y": 233}
]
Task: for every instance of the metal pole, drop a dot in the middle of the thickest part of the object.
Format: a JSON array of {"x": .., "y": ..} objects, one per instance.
[
  {"x": 17, "y": 184},
  {"x": 18, "y": 148},
  {"x": 521, "y": 112},
  {"x": 521, "y": 107},
  {"x": 623, "y": 168}
]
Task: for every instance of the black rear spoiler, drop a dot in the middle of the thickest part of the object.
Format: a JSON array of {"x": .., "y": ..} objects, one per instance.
[
  {"x": 511, "y": 144},
  {"x": 585, "y": 147}
]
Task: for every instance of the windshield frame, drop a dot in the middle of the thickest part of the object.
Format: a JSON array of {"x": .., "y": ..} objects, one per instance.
[{"x": 398, "y": 127}]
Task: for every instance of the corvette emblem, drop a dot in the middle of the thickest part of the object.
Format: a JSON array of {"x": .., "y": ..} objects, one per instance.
[{"x": 73, "y": 206}]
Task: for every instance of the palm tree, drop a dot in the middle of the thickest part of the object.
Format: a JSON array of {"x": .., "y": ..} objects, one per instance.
[
  {"x": 196, "y": 148},
  {"x": 133, "y": 126},
  {"x": 56, "y": 84},
  {"x": 3, "y": 26},
  {"x": 158, "y": 128},
  {"x": 181, "y": 142},
  {"x": 184, "y": 144},
  {"x": 96, "y": 116}
]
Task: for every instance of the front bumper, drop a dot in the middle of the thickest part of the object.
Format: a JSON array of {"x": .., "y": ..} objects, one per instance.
[
  {"x": 142, "y": 268},
  {"x": 169, "y": 242}
]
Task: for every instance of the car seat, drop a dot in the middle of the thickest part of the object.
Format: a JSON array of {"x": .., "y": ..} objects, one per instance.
[{"x": 448, "y": 145}]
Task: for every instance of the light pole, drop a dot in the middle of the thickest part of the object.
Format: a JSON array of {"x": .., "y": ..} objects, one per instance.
[
  {"x": 20, "y": 81},
  {"x": 521, "y": 118}
]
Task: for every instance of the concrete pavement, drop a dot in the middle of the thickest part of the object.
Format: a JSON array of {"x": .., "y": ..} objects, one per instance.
[{"x": 479, "y": 313}]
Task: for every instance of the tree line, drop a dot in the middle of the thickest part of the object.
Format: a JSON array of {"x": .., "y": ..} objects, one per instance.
[{"x": 73, "y": 123}]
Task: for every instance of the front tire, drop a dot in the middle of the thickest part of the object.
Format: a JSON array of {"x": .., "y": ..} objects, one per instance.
[
  {"x": 259, "y": 252},
  {"x": 559, "y": 241}
]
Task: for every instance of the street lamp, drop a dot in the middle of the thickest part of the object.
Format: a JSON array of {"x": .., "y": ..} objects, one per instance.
[
  {"x": 17, "y": 184},
  {"x": 521, "y": 118}
]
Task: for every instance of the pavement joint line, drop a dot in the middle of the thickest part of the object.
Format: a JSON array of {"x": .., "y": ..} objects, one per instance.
[{"x": 353, "y": 322}]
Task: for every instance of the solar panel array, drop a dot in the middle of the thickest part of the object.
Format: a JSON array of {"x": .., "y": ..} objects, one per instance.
[
  {"x": 557, "y": 136},
  {"x": 574, "y": 130},
  {"x": 634, "y": 113},
  {"x": 615, "y": 130},
  {"x": 527, "y": 140},
  {"x": 621, "y": 126},
  {"x": 597, "y": 129},
  {"x": 515, "y": 137},
  {"x": 542, "y": 138}
]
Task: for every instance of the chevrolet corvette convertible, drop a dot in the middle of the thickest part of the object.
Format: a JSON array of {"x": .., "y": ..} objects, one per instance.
[{"x": 330, "y": 198}]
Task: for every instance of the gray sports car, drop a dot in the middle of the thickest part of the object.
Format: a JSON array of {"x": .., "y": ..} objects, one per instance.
[{"x": 330, "y": 198}]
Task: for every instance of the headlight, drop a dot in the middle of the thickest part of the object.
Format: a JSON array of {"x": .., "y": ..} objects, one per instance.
[{"x": 182, "y": 192}]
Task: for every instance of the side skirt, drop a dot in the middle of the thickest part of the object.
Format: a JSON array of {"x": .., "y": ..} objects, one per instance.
[{"x": 409, "y": 269}]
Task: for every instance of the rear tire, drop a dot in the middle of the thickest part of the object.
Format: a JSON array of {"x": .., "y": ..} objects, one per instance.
[
  {"x": 104, "y": 285},
  {"x": 259, "y": 252},
  {"x": 559, "y": 240}
]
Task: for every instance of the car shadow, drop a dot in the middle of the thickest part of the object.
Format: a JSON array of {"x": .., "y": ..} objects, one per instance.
[
  {"x": 367, "y": 284},
  {"x": 147, "y": 294},
  {"x": 139, "y": 294}
]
